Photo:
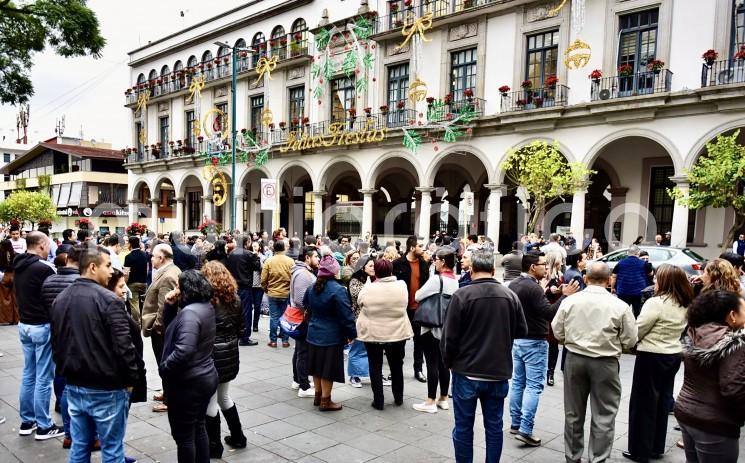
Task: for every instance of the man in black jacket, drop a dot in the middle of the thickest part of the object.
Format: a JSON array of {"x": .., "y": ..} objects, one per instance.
[
  {"x": 242, "y": 264},
  {"x": 182, "y": 256},
  {"x": 96, "y": 355},
  {"x": 136, "y": 261},
  {"x": 482, "y": 321},
  {"x": 413, "y": 269},
  {"x": 30, "y": 270},
  {"x": 530, "y": 351}
]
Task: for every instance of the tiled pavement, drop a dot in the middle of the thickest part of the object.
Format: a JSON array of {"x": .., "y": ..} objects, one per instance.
[{"x": 282, "y": 427}]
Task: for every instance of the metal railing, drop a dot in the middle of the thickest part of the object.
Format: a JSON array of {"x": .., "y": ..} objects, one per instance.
[
  {"x": 723, "y": 72},
  {"x": 453, "y": 108},
  {"x": 622, "y": 86},
  {"x": 534, "y": 98},
  {"x": 397, "y": 12}
]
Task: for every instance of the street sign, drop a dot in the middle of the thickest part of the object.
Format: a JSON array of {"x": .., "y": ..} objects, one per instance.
[
  {"x": 268, "y": 194},
  {"x": 468, "y": 200}
]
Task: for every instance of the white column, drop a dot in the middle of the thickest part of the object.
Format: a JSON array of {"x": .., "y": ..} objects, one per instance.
[
  {"x": 207, "y": 212},
  {"x": 367, "y": 212},
  {"x": 425, "y": 210},
  {"x": 239, "y": 212},
  {"x": 679, "y": 231},
  {"x": 577, "y": 223},
  {"x": 180, "y": 214},
  {"x": 154, "y": 215},
  {"x": 318, "y": 225},
  {"x": 133, "y": 215},
  {"x": 493, "y": 215}
]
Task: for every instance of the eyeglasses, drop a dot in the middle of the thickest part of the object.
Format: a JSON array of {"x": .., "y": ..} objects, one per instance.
[{"x": 542, "y": 263}]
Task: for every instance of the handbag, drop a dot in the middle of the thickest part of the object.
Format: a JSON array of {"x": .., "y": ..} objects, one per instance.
[
  {"x": 293, "y": 321},
  {"x": 432, "y": 310}
]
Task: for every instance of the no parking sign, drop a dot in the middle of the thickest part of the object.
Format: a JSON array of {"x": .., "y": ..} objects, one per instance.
[{"x": 268, "y": 194}]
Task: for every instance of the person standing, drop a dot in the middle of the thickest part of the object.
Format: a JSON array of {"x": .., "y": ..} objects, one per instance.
[
  {"x": 188, "y": 369},
  {"x": 8, "y": 304},
  {"x": 242, "y": 264},
  {"x": 414, "y": 271},
  {"x": 96, "y": 356},
  {"x": 630, "y": 279},
  {"x": 165, "y": 279},
  {"x": 465, "y": 266},
  {"x": 554, "y": 245},
  {"x": 482, "y": 321},
  {"x": 710, "y": 407},
  {"x": 257, "y": 291},
  {"x": 30, "y": 270},
  {"x": 437, "y": 374},
  {"x": 660, "y": 324},
  {"x": 136, "y": 262},
  {"x": 330, "y": 327},
  {"x": 275, "y": 280},
  {"x": 114, "y": 248},
  {"x": 383, "y": 326},
  {"x": 301, "y": 279},
  {"x": 513, "y": 263},
  {"x": 357, "y": 362},
  {"x": 530, "y": 351},
  {"x": 738, "y": 247},
  {"x": 19, "y": 244},
  {"x": 595, "y": 328}
]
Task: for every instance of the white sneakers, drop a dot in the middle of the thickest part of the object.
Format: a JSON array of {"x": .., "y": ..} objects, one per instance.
[
  {"x": 355, "y": 382},
  {"x": 432, "y": 408},
  {"x": 443, "y": 404},
  {"x": 310, "y": 392},
  {"x": 386, "y": 382},
  {"x": 295, "y": 386}
]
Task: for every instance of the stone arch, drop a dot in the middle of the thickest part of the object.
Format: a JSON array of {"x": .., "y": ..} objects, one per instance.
[
  {"x": 500, "y": 175},
  {"x": 377, "y": 168},
  {"x": 133, "y": 193},
  {"x": 250, "y": 171},
  {"x": 297, "y": 163},
  {"x": 159, "y": 181},
  {"x": 431, "y": 172},
  {"x": 184, "y": 181},
  {"x": 322, "y": 182},
  {"x": 657, "y": 137},
  {"x": 700, "y": 145}
]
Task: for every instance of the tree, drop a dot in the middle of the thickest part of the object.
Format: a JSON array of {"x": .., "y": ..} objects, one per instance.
[
  {"x": 545, "y": 174},
  {"x": 27, "y": 206},
  {"x": 68, "y": 26},
  {"x": 718, "y": 180}
]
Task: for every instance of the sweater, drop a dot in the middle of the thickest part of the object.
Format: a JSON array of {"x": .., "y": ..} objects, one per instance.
[
  {"x": 302, "y": 279},
  {"x": 660, "y": 325},
  {"x": 275, "y": 276},
  {"x": 29, "y": 273},
  {"x": 538, "y": 311},
  {"x": 382, "y": 315},
  {"x": 631, "y": 276}
]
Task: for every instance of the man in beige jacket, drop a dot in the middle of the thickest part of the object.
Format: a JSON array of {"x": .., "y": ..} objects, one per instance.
[
  {"x": 595, "y": 327},
  {"x": 275, "y": 280},
  {"x": 165, "y": 278}
]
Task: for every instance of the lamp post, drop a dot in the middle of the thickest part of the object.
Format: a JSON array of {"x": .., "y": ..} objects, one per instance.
[{"x": 233, "y": 131}]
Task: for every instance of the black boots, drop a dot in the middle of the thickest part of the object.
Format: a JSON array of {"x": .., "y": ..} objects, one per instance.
[
  {"x": 236, "y": 438},
  {"x": 212, "y": 423},
  {"x": 550, "y": 378}
]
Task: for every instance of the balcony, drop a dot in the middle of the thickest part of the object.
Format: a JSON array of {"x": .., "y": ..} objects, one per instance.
[
  {"x": 398, "y": 13},
  {"x": 622, "y": 86},
  {"x": 723, "y": 72},
  {"x": 536, "y": 98},
  {"x": 453, "y": 108}
]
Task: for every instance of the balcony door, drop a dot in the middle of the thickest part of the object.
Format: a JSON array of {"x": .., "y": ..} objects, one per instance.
[
  {"x": 398, "y": 89},
  {"x": 637, "y": 46},
  {"x": 342, "y": 98},
  {"x": 462, "y": 72}
]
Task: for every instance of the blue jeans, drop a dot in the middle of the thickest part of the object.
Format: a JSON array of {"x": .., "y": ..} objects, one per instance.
[
  {"x": 357, "y": 360},
  {"x": 38, "y": 374},
  {"x": 529, "y": 363},
  {"x": 258, "y": 296},
  {"x": 491, "y": 394},
  {"x": 277, "y": 307},
  {"x": 246, "y": 296},
  {"x": 97, "y": 411}
]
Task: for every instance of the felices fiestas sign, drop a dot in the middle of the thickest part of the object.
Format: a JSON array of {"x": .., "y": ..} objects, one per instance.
[{"x": 337, "y": 136}]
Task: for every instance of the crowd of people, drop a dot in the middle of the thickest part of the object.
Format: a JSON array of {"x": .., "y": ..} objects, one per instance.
[{"x": 84, "y": 308}]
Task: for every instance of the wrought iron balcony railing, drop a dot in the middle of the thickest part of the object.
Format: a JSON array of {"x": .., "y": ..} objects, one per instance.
[
  {"x": 723, "y": 72},
  {"x": 453, "y": 108},
  {"x": 641, "y": 83},
  {"x": 398, "y": 12},
  {"x": 534, "y": 98}
]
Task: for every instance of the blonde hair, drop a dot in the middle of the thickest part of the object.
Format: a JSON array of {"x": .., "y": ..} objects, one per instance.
[
  {"x": 553, "y": 264},
  {"x": 722, "y": 275},
  {"x": 390, "y": 253}
]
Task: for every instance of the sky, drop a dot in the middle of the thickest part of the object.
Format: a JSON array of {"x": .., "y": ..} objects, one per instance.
[{"x": 90, "y": 92}]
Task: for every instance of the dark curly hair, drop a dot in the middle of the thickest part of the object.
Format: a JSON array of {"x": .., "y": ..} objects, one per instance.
[
  {"x": 712, "y": 307},
  {"x": 224, "y": 287},
  {"x": 194, "y": 288}
]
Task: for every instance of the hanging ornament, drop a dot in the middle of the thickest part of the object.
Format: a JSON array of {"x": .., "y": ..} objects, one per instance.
[
  {"x": 143, "y": 136},
  {"x": 577, "y": 55},
  {"x": 266, "y": 117},
  {"x": 266, "y": 66},
  {"x": 195, "y": 88},
  {"x": 417, "y": 27},
  {"x": 417, "y": 90},
  {"x": 555, "y": 11},
  {"x": 143, "y": 100},
  {"x": 213, "y": 128}
]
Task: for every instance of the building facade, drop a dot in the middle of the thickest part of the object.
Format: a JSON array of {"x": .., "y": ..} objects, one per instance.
[
  {"x": 640, "y": 122},
  {"x": 9, "y": 155},
  {"x": 84, "y": 179}
]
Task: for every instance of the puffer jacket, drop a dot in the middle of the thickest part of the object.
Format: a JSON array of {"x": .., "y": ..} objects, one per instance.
[
  {"x": 228, "y": 327},
  {"x": 55, "y": 284},
  {"x": 713, "y": 393},
  {"x": 188, "y": 344}
]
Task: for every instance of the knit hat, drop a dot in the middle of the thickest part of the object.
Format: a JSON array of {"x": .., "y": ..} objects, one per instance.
[
  {"x": 328, "y": 267},
  {"x": 339, "y": 258}
]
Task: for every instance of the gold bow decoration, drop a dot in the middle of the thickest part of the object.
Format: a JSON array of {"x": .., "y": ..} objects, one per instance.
[
  {"x": 579, "y": 60},
  {"x": 417, "y": 90},
  {"x": 418, "y": 26},
  {"x": 196, "y": 86},
  {"x": 554, "y": 11},
  {"x": 266, "y": 66},
  {"x": 142, "y": 100}
]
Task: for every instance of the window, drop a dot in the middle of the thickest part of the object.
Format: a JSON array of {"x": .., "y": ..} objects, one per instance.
[
  {"x": 342, "y": 98},
  {"x": 189, "y": 136},
  {"x": 660, "y": 203},
  {"x": 258, "y": 43},
  {"x": 164, "y": 135},
  {"x": 398, "y": 87},
  {"x": 6, "y": 157},
  {"x": 297, "y": 105},
  {"x": 638, "y": 39},
  {"x": 278, "y": 42},
  {"x": 462, "y": 72},
  {"x": 541, "y": 57},
  {"x": 138, "y": 140},
  {"x": 257, "y": 106},
  {"x": 195, "y": 210},
  {"x": 738, "y": 26}
]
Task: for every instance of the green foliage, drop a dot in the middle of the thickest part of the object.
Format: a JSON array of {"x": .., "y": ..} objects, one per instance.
[
  {"x": 69, "y": 27},
  {"x": 367, "y": 60},
  {"x": 328, "y": 69},
  {"x": 543, "y": 171},
  {"x": 717, "y": 180},
  {"x": 362, "y": 28},
  {"x": 451, "y": 134},
  {"x": 262, "y": 157},
  {"x": 466, "y": 114},
  {"x": 436, "y": 111},
  {"x": 323, "y": 37},
  {"x": 360, "y": 86},
  {"x": 318, "y": 92},
  {"x": 412, "y": 140},
  {"x": 315, "y": 70},
  {"x": 27, "y": 206},
  {"x": 349, "y": 64}
]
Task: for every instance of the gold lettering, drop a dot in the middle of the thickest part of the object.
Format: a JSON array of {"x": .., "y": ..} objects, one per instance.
[{"x": 337, "y": 136}]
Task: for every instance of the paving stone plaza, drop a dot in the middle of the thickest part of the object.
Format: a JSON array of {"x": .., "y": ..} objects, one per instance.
[{"x": 281, "y": 427}]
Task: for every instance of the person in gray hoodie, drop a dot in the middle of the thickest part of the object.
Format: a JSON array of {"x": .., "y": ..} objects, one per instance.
[{"x": 302, "y": 277}]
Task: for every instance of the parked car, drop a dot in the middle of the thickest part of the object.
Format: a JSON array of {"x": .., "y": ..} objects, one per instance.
[{"x": 689, "y": 261}]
